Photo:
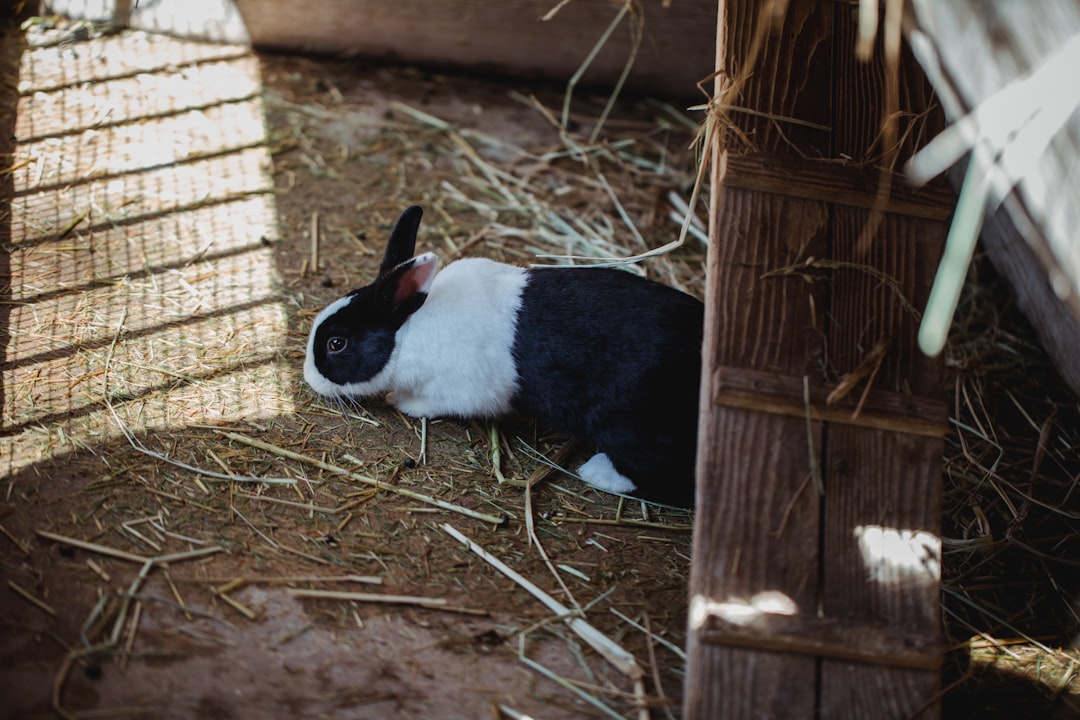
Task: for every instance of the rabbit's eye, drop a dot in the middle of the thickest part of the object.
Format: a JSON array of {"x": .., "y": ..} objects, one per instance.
[{"x": 336, "y": 344}]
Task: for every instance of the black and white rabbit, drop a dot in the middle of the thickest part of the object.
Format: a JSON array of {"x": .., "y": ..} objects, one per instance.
[{"x": 601, "y": 354}]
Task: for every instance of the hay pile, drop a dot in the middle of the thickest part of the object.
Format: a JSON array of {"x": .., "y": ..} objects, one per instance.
[{"x": 1011, "y": 524}]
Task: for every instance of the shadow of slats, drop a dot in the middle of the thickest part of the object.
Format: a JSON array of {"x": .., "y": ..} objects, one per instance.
[
  {"x": 143, "y": 285},
  {"x": 123, "y": 199},
  {"x": 147, "y": 245},
  {"x": 63, "y": 160}
]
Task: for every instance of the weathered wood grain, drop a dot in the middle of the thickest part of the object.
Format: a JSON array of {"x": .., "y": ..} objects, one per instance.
[
  {"x": 794, "y": 397},
  {"x": 837, "y": 181},
  {"x": 755, "y": 503},
  {"x": 789, "y": 90},
  {"x": 887, "y": 482},
  {"x": 755, "y": 500},
  {"x": 886, "y": 486},
  {"x": 794, "y": 592},
  {"x": 883, "y": 489},
  {"x": 501, "y": 37},
  {"x": 754, "y": 495}
]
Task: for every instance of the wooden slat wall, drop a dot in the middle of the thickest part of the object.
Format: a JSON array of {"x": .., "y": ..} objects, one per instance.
[
  {"x": 858, "y": 646},
  {"x": 507, "y": 37},
  {"x": 503, "y": 37}
]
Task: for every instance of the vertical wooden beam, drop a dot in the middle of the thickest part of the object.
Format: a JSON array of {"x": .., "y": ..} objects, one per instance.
[
  {"x": 758, "y": 519},
  {"x": 814, "y": 589},
  {"x": 883, "y": 488},
  {"x": 757, "y": 503}
]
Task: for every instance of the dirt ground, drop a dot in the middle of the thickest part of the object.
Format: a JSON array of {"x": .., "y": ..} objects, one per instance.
[
  {"x": 151, "y": 312},
  {"x": 173, "y": 499}
]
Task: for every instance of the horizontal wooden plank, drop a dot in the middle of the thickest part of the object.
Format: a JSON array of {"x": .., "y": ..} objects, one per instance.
[
  {"x": 836, "y": 181},
  {"x": 668, "y": 46},
  {"x": 783, "y": 395},
  {"x": 829, "y": 638},
  {"x": 508, "y": 38}
]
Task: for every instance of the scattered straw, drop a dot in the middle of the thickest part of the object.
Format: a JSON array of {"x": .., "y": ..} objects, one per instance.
[
  {"x": 424, "y": 602},
  {"x": 678, "y": 651},
  {"x": 29, "y": 597},
  {"x": 589, "y": 198},
  {"x": 93, "y": 547},
  {"x": 98, "y": 570},
  {"x": 612, "y": 652},
  {"x": 1010, "y": 512},
  {"x": 566, "y": 684},
  {"x": 284, "y": 579},
  {"x": 127, "y": 614},
  {"x": 238, "y": 606},
  {"x": 315, "y": 242},
  {"x": 626, "y": 522},
  {"x": 138, "y": 445},
  {"x": 885, "y": 279},
  {"x": 269, "y": 447},
  {"x": 15, "y": 541}
]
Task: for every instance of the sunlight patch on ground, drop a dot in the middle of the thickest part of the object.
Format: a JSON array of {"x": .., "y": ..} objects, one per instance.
[{"x": 142, "y": 223}]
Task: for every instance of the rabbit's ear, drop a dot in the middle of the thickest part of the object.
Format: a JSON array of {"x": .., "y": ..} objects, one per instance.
[
  {"x": 402, "y": 241},
  {"x": 406, "y": 286}
]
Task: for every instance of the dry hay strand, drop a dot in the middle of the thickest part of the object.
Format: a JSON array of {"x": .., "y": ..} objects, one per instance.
[{"x": 560, "y": 205}]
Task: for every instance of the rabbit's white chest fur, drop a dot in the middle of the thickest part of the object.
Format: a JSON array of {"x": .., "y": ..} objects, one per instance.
[{"x": 454, "y": 356}]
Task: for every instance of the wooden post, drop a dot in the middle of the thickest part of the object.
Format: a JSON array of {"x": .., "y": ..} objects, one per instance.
[{"x": 815, "y": 583}]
